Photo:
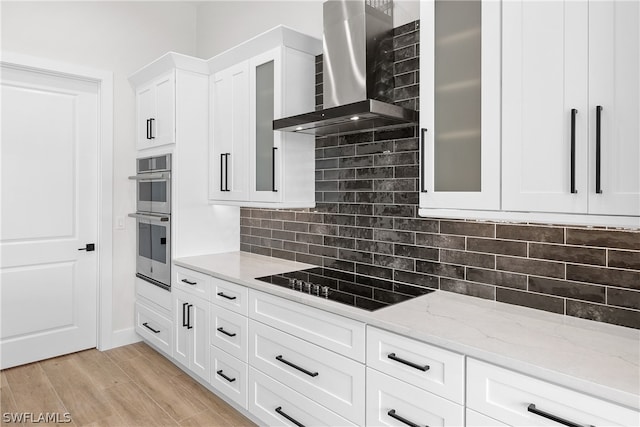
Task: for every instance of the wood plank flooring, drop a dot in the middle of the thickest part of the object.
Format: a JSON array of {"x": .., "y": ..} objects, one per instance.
[{"x": 127, "y": 386}]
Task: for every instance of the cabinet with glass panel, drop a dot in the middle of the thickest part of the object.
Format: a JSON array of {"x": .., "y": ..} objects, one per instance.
[
  {"x": 250, "y": 163},
  {"x": 459, "y": 105}
]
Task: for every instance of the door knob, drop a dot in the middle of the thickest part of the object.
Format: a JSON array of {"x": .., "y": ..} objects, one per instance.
[{"x": 90, "y": 247}]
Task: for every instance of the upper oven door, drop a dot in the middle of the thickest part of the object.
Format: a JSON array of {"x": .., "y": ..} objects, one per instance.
[{"x": 153, "y": 192}]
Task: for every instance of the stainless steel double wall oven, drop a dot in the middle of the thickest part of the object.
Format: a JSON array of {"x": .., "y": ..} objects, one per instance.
[{"x": 153, "y": 220}]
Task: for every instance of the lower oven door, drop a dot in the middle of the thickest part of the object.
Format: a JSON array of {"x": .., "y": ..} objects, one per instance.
[{"x": 153, "y": 243}]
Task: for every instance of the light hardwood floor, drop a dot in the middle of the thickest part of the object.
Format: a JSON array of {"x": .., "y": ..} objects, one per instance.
[{"x": 127, "y": 386}]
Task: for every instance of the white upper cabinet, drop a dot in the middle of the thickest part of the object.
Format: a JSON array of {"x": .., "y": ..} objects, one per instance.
[
  {"x": 155, "y": 118},
  {"x": 571, "y": 85},
  {"x": 460, "y": 104},
  {"x": 614, "y": 94},
  {"x": 265, "y": 78},
  {"x": 228, "y": 161}
]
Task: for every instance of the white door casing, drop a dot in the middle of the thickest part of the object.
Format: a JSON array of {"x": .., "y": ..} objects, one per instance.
[{"x": 50, "y": 207}]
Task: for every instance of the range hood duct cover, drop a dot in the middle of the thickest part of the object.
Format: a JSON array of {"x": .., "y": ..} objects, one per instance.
[{"x": 357, "y": 73}]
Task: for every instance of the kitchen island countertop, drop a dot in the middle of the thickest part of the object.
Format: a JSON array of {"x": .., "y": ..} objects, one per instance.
[{"x": 592, "y": 357}]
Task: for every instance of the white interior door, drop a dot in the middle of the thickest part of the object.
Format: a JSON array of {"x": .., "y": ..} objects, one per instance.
[{"x": 49, "y": 165}]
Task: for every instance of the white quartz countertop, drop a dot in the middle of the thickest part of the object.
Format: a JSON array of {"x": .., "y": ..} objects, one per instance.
[{"x": 592, "y": 357}]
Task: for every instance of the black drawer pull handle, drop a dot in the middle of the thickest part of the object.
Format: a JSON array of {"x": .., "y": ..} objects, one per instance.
[
  {"x": 188, "y": 282},
  {"x": 281, "y": 412},
  {"x": 146, "y": 325},
  {"x": 221, "y": 294},
  {"x": 293, "y": 365},
  {"x": 229, "y": 334},
  {"x": 423, "y": 186},
  {"x": 392, "y": 414},
  {"x": 599, "y": 149},
  {"x": 189, "y": 325},
  {"x": 224, "y": 376},
  {"x": 273, "y": 169},
  {"x": 151, "y": 120},
  {"x": 393, "y": 356},
  {"x": 185, "y": 322},
  {"x": 573, "y": 150},
  {"x": 532, "y": 408}
]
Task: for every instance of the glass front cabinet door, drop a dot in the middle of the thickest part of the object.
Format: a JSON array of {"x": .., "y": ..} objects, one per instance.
[
  {"x": 459, "y": 105},
  {"x": 265, "y": 76}
]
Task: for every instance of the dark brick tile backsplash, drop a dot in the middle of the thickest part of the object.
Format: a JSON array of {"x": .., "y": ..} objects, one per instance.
[{"x": 366, "y": 221}]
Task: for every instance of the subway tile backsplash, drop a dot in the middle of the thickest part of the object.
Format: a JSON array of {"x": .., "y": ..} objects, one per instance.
[{"x": 366, "y": 221}]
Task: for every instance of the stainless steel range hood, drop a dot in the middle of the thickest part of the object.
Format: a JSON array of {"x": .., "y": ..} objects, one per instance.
[{"x": 357, "y": 73}]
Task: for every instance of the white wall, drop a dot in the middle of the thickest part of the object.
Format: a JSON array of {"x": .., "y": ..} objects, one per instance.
[
  {"x": 115, "y": 36},
  {"x": 224, "y": 24}
]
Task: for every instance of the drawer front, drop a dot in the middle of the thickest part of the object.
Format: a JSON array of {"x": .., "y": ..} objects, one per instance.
[
  {"x": 231, "y": 296},
  {"x": 336, "y": 333},
  {"x": 153, "y": 327},
  {"x": 333, "y": 381},
  {"x": 229, "y": 376},
  {"x": 430, "y": 368},
  {"x": 508, "y": 397},
  {"x": 229, "y": 332},
  {"x": 277, "y": 405},
  {"x": 155, "y": 294},
  {"x": 192, "y": 281},
  {"x": 391, "y": 402},
  {"x": 476, "y": 419}
]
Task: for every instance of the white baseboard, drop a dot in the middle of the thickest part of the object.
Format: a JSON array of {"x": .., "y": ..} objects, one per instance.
[{"x": 123, "y": 337}]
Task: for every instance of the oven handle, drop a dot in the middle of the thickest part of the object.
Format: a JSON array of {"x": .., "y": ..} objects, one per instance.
[
  {"x": 150, "y": 217},
  {"x": 151, "y": 176}
]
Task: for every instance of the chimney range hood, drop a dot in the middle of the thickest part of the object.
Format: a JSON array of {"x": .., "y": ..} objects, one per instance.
[{"x": 357, "y": 73}]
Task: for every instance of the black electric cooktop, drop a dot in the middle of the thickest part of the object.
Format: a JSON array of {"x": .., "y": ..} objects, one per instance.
[{"x": 360, "y": 291}]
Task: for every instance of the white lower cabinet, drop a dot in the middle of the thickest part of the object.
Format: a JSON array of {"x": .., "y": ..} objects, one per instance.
[
  {"x": 229, "y": 332},
  {"x": 229, "y": 376},
  {"x": 153, "y": 327},
  {"x": 431, "y": 368},
  {"x": 293, "y": 365},
  {"x": 277, "y": 405},
  {"x": 191, "y": 326},
  {"x": 520, "y": 400},
  {"x": 327, "y": 378},
  {"x": 391, "y": 402}
]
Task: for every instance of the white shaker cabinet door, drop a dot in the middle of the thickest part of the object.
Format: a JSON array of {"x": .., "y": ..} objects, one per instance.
[
  {"x": 614, "y": 107},
  {"x": 229, "y": 144},
  {"x": 544, "y": 105}
]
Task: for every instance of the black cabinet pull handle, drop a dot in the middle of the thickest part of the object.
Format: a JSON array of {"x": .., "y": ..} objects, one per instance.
[
  {"x": 598, "y": 149},
  {"x": 221, "y": 171},
  {"x": 146, "y": 325},
  {"x": 184, "y": 316},
  {"x": 189, "y": 282},
  {"x": 151, "y": 120},
  {"x": 532, "y": 408},
  {"x": 393, "y": 356},
  {"x": 226, "y": 171},
  {"x": 574, "y": 112},
  {"x": 293, "y": 420},
  {"x": 392, "y": 414},
  {"x": 224, "y": 376},
  {"x": 229, "y": 334},
  {"x": 293, "y": 365},
  {"x": 189, "y": 326},
  {"x": 273, "y": 169},
  {"x": 221, "y": 294},
  {"x": 421, "y": 160},
  {"x": 148, "y": 136}
]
